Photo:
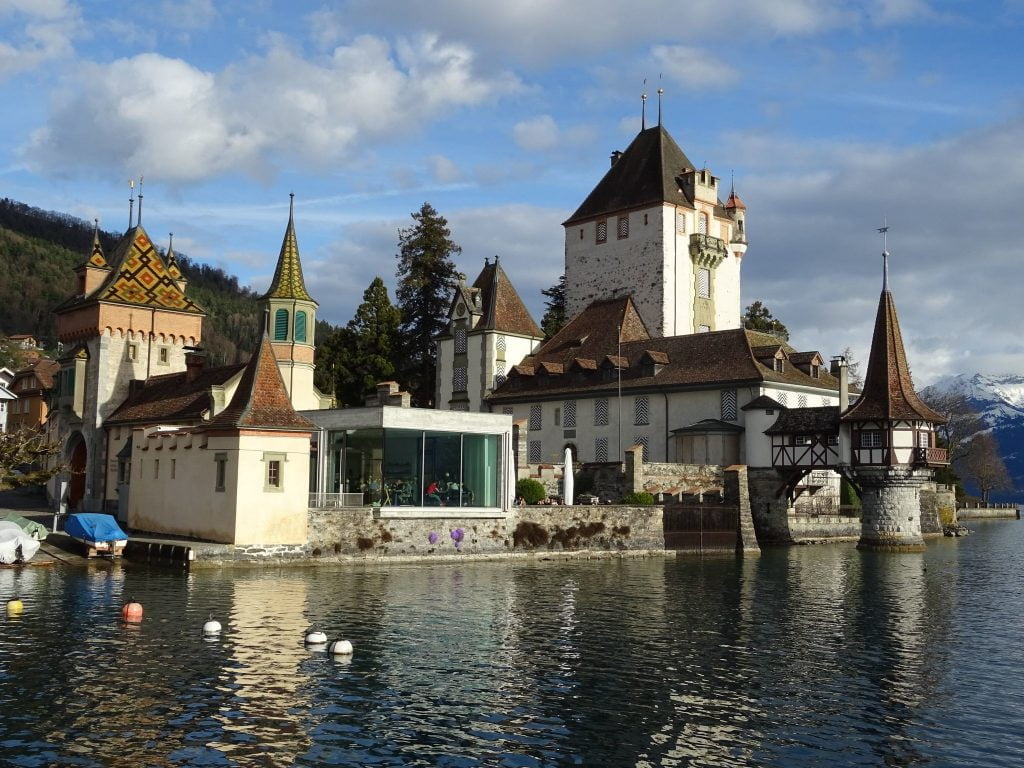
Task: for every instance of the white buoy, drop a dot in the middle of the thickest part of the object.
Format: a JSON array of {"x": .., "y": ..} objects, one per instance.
[
  {"x": 211, "y": 627},
  {"x": 316, "y": 637},
  {"x": 340, "y": 648}
]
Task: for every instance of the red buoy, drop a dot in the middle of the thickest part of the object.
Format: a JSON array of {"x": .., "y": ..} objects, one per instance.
[{"x": 132, "y": 611}]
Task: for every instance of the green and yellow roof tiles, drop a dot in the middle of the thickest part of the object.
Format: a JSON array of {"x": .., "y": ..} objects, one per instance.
[{"x": 288, "y": 282}]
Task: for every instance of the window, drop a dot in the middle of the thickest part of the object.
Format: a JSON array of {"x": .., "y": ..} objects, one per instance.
[
  {"x": 558, "y": 417},
  {"x": 569, "y": 414},
  {"x": 274, "y": 472},
  {"x": 536, "y": 422},
  {"x": 641, "y": 411},
  {"x": 702, "y": 223},
  {"x": 601, "y": 449},
  {"x": 802, "y": 440},
  {"x": 534, "y": 452},
  {"x": 704, "y": 283},
  {"x": 815, "y": 371},
  {"x": 156, "y": 468},
  {"x": 460, "y": 379},
  {"x": 132, "y": 352},
  {"x": 500, "y": 346},
  {"x": 602, "y": 231},
  {"x": 922, "y": 440},
  {"x": 728, "y": 405},
  {"x": 801, "y": 401},
  {"x": 871, "y": 438},
  {"x": 221, "y": 460},
  {"x": 783, "y": 398},
  {"x": 499, "y": 373},
  {"x": 601, "y": 412},
  {"x": 833, "y": 439},
  {"x": 622, "y": 229},
  {"x": 164, "y": 356},
  {"x": 460, "y": 341},
  {"x": 508, "y": 410},
  {"x": 681, "y": 222},
  {"x": 777, "y": 365},
  {"x": 174, "y": 468},
  {"x": 300, "y": 326},
  {"x": 645, "y": 219},
  {"x": 281, "y": 325}
]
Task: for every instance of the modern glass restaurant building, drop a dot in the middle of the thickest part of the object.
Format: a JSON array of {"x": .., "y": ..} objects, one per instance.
[{"x": 411, "y": 461}]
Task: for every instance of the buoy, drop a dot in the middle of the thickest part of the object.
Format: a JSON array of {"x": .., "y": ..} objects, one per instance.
[
  {"x": 340, "y": 648},
  {"x": 15, "y": 607},
  {"x": 315, "y": 637},
  {"x": 211, "y": 627},
  {"x": 132, "y": 611}
]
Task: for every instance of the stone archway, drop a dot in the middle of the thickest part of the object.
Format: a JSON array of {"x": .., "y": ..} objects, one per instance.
[{"x": 77, "y": 455}]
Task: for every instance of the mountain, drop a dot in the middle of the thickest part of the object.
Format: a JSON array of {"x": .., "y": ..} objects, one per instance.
[
  {"x": 999, "y": 400},
  {"x": 39, "y": 249}
]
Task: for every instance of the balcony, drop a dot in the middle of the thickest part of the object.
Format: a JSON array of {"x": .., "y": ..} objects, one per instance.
[
  {"x": 707, "y": 251},
  {"x": 930, "y": 457}
]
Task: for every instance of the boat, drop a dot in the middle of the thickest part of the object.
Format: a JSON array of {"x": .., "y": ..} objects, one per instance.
[
  {"x": 31, "y": 528},
  {"x": 16, "y": 546},
  {"x": 100, "y": 533}
]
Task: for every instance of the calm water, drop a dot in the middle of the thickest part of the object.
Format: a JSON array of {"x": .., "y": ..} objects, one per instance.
[{"x": 805, "y": 656}]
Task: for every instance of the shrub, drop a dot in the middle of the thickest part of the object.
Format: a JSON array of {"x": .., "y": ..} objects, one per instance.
[
  {"x": 639, "y": 498},
  {"x": 531, "y": 490}
]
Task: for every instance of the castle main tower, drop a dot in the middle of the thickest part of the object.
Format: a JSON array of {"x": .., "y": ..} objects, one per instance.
[{"x": 654, "y": 227}]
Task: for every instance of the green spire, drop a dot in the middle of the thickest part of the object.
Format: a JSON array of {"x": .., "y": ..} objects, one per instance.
[{"x": 288, "y": 282}]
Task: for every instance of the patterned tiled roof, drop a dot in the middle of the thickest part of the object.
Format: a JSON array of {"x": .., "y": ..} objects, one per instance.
[
  {"x": 501, "y": 306},
  {"x": 261, "y": 399},
  {"x": 172, "y": 261},
  {"x": 172, "y": 398},
  {"x": 888, "y": 391},
  {"x": 140, "y": 277},
  {"x": 96, "y": 257},
  {"x": 645, "y": 174},
  {"x": 288, "y": 282}
]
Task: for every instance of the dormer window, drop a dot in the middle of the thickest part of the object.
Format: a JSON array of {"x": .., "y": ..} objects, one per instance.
[
  {"x": 815, "y": 371},
  {"x": 779, "y": 364}
]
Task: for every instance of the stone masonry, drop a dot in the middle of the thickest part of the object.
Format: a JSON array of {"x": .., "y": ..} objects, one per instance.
[{"x": 891, "y": 508}]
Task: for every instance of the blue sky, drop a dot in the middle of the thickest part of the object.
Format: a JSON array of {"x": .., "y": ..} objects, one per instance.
[{"x": 832, "y": 115}]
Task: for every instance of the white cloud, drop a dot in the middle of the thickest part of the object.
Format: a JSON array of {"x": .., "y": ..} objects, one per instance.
[
  {"x": 537, "y": 134},
  {"x": 188, "y": 14},
  {"x": 49, "y": 28},
  {"x": 180, "y": 123},
  {"x": 443, "y": 170},
  {"x": 693, "y": 68}
]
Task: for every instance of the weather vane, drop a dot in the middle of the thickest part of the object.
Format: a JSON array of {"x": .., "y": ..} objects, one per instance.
[{"x": 885, "y": 253}]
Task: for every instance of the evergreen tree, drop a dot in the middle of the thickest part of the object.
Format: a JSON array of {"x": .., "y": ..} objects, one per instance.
[
  {"x": 758, "y": 318},
  {"x": 426, "y": 280},
  {"x": 335, "y": 367},
  {"x": 554, "y": 314},
  {"x": 375, "y": 338}
]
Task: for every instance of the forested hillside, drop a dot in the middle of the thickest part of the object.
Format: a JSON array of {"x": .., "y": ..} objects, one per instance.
[{"x": 38, "y": 253}]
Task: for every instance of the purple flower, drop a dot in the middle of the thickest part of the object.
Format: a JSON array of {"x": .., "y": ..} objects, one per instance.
[
  {"x": 432, "y": 538},
  {"x": 457, "y": 536}
]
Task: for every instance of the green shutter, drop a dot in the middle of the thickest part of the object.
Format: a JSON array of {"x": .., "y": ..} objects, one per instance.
[
  {"x": 300, "y": 326},
  {"x": 281, "y": 325}
]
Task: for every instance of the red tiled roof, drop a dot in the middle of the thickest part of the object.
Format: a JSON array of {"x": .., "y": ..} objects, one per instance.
[
  {"x": 172, "y": 398},
  {"x": 261, "y": 400},
  {"x": 500, "y": 304}
]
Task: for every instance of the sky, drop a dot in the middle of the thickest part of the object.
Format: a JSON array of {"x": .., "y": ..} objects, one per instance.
[{"x": 832, "y": 116}]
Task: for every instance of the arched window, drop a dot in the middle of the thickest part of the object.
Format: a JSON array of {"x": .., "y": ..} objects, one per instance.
[
  {"x": 281, "y": 325},
  {"x": 300, "y": 326}
]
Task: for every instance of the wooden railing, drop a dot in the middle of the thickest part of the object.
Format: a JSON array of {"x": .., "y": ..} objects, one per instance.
[{"x": 930, "y": 456}]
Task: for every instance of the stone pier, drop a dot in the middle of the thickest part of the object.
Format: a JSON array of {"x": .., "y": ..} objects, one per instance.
[{"x": 891, "y": 508}]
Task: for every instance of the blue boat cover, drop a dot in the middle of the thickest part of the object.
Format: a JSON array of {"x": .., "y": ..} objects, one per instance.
[{"x": 93, "y": 526}]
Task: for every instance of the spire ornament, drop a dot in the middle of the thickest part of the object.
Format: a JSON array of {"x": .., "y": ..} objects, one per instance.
[{"x": 885, "y": 254}]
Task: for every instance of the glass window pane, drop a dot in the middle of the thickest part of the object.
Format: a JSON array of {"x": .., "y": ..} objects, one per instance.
[
  {"x": 402, "y": 470},
  {"x": 442, "y": 474},
  {"x": 481, "y": 470},
  {"x": 362, "y": 456}
]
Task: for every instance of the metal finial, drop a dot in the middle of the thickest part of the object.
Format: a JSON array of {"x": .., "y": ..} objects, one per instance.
[
  {"x": 170, "y": 241},
  {"x": 885, "y": 254},
  {"x": 140, "y": 201},
  {"x": 660, "y": 91},
  {"x": 131, "y": 201},
  {"x": 487, "y": 261},
  {"x": 495, "y": 258},
  {"x": 732, "y": 183},
  {"x": 643, "y": 107},
  {"x": 291, "y": 204}
]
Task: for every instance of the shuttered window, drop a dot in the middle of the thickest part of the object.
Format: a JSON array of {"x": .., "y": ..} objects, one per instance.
[
  {"x": 300, "y": 326},
  {"x": 281, "y": 325}
]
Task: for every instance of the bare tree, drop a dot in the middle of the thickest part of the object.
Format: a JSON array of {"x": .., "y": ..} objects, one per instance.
[
  {"x": 963, "y": 423},
  {"x": 853, "y": 368},
  {"x": 24, "y": 455},
  {"x": 984, "y": 467}
]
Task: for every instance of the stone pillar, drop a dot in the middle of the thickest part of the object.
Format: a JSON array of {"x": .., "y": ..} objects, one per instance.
[
  {"x": 770, "y": 511},
  {"x": 891, "y": 508},
  {"x": 634, "y": 469},
  {"x": 736, "y": 489},
  {"x": 519, "y": 448}
]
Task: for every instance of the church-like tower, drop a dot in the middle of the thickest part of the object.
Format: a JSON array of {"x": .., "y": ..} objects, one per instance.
[
  {"x": 129, "y": 320},
  {"x": 654, "y": 227},
  {"x": 291, "y": 323}
]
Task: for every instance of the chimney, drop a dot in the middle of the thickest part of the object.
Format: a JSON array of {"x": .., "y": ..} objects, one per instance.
[
  {"x": 838, "y": 368},
  {"x": 195, "y": 361},
  {"x": 615, "y": 156}
]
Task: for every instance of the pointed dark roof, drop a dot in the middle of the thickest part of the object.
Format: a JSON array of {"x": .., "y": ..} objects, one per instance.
[
  {"x": 500, "y": 304},
  {"x": 261, "y": 400},
  {"x": 806, "y": 421},
  {"x": 762, "y": 402},
  {"x": 888, "y": 391},
  {"x": 646, "y": 173},
  {"x": 288, "y": 282},
  {"x": 96, "y": 257},
  {"x": 140, "y": 277}
]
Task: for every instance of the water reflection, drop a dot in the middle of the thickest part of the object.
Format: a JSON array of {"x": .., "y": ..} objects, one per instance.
[{"x": 804, "y": 656}]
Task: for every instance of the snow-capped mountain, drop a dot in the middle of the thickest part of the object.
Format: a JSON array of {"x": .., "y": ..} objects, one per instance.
[{"x": 999, "y": 400}]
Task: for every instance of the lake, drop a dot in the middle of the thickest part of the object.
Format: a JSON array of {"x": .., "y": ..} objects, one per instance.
[{"x": 804, "y": 656}]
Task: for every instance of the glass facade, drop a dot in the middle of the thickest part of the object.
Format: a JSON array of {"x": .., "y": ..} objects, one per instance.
[{"x": 414, "y": 468}]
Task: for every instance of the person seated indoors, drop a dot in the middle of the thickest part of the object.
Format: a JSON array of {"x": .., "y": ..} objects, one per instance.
[{"x": 432, "y": 497}]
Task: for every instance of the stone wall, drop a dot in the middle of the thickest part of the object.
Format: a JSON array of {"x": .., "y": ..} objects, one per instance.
[
  {"x": 938, "y": 509},
  {"x": 356, "y": 531},
  {"x": 770, "y": 512},
  {"x": 808, "y": 528}
]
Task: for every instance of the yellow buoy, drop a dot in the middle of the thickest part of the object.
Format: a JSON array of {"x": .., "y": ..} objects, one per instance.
[{"x": 15, "y": 607}]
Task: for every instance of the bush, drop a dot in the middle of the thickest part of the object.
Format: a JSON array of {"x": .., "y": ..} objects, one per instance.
[
  {"x": 531, "y": 490},
  {"x": 640, "y": 499}
]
